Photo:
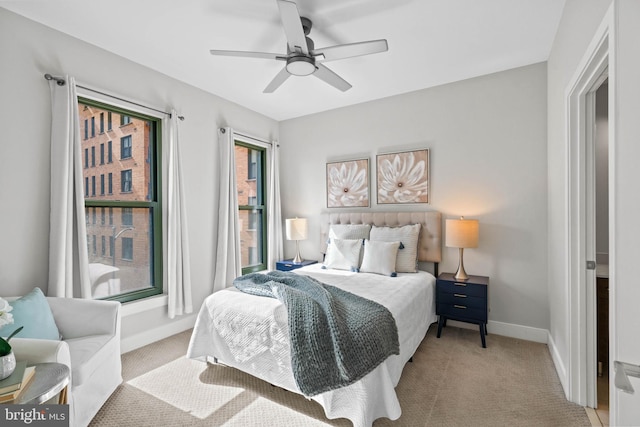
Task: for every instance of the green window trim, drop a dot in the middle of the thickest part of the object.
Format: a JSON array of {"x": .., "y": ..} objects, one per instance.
[
  {"x": 259, "y": 209},
  {"x": 153, "y": 203}
]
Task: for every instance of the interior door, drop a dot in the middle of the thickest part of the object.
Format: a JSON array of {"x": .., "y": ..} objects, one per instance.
[{"x": 624, "y": 305}]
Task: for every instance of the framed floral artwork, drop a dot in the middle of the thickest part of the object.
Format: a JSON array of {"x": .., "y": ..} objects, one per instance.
[
  {"x": 348, "y": 184},
  {"x": 403, "y": 177}
]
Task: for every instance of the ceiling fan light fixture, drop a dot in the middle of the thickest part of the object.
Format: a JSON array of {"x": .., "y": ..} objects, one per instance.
[{"x": 300, "y": 66}]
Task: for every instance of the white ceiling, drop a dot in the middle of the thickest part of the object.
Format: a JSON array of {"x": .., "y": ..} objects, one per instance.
[{"x": 431, "y": 42}]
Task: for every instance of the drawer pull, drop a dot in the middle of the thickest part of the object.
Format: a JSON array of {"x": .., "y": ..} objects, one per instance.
[
  {"x": 459, "y": 306},
  {"x": 459, "y": 284},
  {"x": 459, "y": 295}
]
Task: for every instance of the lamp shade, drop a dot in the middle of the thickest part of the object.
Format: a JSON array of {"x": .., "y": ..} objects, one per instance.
[
  {"x": 296, "y": 229},
  {"x": 462, "y": 233}
]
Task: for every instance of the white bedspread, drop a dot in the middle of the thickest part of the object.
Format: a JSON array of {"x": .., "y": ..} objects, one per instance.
[{"x": 250, "y": 333}]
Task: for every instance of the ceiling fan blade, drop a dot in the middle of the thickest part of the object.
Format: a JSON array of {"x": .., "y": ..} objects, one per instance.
[
  {"x": 328, "y": 76},
  {"x": 290, "y": 17},
  {"x": 350, "y": 50},
  {"x": 262, "y": 55},
  {"x": 277, "y": 81}
]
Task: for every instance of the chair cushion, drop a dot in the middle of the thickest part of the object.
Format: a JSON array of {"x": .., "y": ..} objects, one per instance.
[
  {"x": 32, "y": 311},
  {"x": 88, "y": 354}
]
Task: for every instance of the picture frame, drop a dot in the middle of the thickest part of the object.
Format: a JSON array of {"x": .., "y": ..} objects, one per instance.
[
  {"x": 402, "y": 177},
  {"x": 348, "y": 183}
]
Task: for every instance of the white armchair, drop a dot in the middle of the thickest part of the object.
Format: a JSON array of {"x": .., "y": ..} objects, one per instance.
[{"x": 90, "y": 346}]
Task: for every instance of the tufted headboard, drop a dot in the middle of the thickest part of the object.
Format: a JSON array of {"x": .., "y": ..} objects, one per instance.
[{"x": 429, "y": 241}]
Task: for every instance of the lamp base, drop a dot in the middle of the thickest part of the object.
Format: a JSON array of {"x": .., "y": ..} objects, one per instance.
[
  {"x": 460, "y": 273},
  {"x": 298, "y": 259}
]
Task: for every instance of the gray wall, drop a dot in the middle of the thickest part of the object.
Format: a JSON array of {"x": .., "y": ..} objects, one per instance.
[
  {"x": 27, "y": 51},
  {"x": 487, "y": 141},
  {"x": 578, "y": 24}
]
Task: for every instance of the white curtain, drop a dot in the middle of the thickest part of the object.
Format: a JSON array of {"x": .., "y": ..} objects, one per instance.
[
  {"x": 68, "y": 253},
  {"x": 274, "y": 215},
  {"x": 228, "y": 261},
  {"x": 176, "y": 270}
]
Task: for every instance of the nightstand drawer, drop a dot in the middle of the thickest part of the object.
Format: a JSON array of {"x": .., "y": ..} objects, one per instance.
[
  {"x": 463, "y": 312},
  {"x": 462, "y": 299},
  {"x": 468, "y": 289},
  {"x": 287, "y": 266}
]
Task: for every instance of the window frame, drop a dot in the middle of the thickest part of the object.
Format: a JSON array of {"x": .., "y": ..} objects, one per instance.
[
  {"x": 153, "y": 205},
  {"x": 260, "y": 208},
  {"x": 126, "y": 151}
]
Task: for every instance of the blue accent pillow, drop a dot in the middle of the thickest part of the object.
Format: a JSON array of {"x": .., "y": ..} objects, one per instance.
[{"x": 33, "y": 312}]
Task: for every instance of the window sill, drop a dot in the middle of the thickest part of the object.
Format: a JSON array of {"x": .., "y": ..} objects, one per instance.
[{"x": 139, "y": 306}]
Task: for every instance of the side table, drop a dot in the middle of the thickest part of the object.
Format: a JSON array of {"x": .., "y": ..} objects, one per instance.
[
  {"x": 463, "y": 300},
  {"x": 49, "y": 380},
  {"x": 288, "y": 264}
]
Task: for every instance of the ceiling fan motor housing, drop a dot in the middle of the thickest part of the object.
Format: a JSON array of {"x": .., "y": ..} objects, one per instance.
[{"x": 301, "y": 65}]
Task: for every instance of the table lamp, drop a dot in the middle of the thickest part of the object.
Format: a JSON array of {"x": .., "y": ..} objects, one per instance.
[
  {"x": 461, "y": 233},
  {"x": 297, "y": 230}
]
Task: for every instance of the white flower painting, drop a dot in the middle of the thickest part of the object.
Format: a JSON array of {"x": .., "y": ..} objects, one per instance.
[
  {"x": 348, "y": 184},
  {"x": 403, "y": 177}
]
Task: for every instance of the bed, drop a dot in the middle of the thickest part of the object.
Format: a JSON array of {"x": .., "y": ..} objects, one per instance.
[{"x": 251, "y": 333}]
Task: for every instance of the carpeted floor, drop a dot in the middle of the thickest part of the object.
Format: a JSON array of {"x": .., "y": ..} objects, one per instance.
[{"x": 452, "y": 381}]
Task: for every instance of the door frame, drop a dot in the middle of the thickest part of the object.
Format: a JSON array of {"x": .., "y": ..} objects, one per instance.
[{"x": 580, "y": 210}]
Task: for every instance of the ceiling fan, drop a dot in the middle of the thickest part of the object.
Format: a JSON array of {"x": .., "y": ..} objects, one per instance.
[{"x": 302, "y": 58}]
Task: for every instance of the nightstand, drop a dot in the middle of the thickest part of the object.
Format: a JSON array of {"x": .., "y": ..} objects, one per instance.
[
  {"x": 463, "y": 300},
  {"x": 288, "y": 264}
]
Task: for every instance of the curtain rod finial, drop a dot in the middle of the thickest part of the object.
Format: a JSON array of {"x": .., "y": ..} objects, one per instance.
[{"x": 59, "y": 80}]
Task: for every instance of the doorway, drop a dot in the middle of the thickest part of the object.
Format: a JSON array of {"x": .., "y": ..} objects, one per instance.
[{"x": 601, "y": 187}]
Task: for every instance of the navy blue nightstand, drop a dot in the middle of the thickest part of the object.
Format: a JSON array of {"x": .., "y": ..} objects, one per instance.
[
  {"x": 288, "y": 264},
  {"x": 463, "y": 300}
]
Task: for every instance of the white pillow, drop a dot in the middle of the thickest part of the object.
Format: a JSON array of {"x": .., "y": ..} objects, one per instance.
[
  {"x": 343, "y": 254},
  {"x": 407, "y": 235},
  {"x": 349, "y": 231},
  {"x": 380, "y": 257}
]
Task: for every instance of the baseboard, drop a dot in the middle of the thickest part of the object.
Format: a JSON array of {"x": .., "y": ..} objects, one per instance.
[
  {"x": 508, "y": 330},
  {"x": 560, "y": 368},
  {"x": 152, "y": 335}
]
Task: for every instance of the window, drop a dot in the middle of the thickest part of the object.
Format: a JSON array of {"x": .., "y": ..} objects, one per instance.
[
  {"x": 125, "y": 181},
  {"x": 127, "y": 248},
  {"x": 86, "y": 186},
  {"x": 86, "y": 129},
  {"x": 127, "y": 216},
  {"x": 101, "y": 122},
  {"x": 132, "y": 232},
  {"x": 250, "y": 183},
  {"x": 93, "y": 156},
  {"x": 86, "y": 158},
  {"x": 93, "y": 127},
  {"x": 125, "y": 147},
  {"x": 252, "y": 159}
]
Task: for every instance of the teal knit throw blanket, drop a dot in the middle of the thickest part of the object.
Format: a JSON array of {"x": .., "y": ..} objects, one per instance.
[{"x": 336, "y": 337}]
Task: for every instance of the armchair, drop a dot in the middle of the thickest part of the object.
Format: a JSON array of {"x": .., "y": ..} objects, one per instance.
[{"x": 90, "y": 346}]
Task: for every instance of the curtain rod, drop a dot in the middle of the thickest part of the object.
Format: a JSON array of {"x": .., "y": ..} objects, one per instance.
[
  {"x": 244, "y": 135},
  {"x": 61, "y": 82}
]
